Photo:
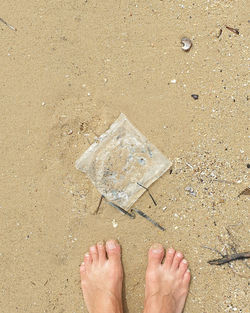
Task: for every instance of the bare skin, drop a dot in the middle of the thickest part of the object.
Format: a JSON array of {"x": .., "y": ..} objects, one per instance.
[
  {"x": 102, "y": 274},
  {"x": 167, "y": 283},
  {"x": 101, "y": 278}
]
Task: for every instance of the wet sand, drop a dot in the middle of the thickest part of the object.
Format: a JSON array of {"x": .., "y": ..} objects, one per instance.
[{"x": 67, "y": 73}]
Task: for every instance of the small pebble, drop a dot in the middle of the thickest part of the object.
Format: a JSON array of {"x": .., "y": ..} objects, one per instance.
[
  {"x": 248, "y": 165},
  {"x": 173, "y": 81},
  {"x": 196, "y": 97}
]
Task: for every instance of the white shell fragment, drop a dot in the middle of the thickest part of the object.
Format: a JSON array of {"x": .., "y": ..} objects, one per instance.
[
  {"x": 186, "y": 44},
  {"x": 114, "y": 223},
  {"x": 191, "y": 191}
]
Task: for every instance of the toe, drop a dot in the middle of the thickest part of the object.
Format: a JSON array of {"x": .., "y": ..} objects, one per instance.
[
  {"x": 101, "y": 252},
  {"x": 169, "y": 258},
  {"x": 94, "y": 253},
  {"x": 155, "y": 255},
  {"x": 176, "y": 261},
  {"x": 87, "y": 261},
  {"x": 186, "y": 278},
  {"x": 113, "y": 250},
  {"x": 183, "y": 267}
]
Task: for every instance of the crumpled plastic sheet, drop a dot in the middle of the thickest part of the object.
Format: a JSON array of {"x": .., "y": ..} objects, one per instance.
[{"x": 119, "y": 159}]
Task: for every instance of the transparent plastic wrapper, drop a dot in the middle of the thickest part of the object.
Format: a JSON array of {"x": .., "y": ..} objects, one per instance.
[{"x": 120, "y": 159}]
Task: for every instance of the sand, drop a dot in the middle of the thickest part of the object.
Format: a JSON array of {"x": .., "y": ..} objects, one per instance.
[{"x": 67, "y": 73}]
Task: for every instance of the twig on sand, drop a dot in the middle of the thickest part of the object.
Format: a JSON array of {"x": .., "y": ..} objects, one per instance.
[
  {"x": 121, "y": 209},
  {"x": 230, "y": 258},
  {"x": 234, "y": 30},
  {"x": 114, "y": 206},
  {"x": 226, "y": 258},
  {"x": 99, "y": 204},
  {"x": 220, "y": 32},
  {"x": 245, "y": 192},
  {"x": 212, "y": 249},
  {"x": 7, "y": 24},
  {"x": 148, "y": 218},
  {"x": 148, "y": 193}
]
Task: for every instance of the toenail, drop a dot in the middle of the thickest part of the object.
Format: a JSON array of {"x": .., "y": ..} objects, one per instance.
[
  {"x": 188, "y": 270},
  {"x": 184, "y": 261},
  {"x": 171, "y": 250},
  {"x": 156, "y": 248},
  {"x": 83, "y": 264},
  {"x": 111, "y": 245},
  {"x": 179, "y": 255},
  {"x": 93, "y": 249},
  {"x": 100, "y": 243},
  {"x": 87, "y": 255}
]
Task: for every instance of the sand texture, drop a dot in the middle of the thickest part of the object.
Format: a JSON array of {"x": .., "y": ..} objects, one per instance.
[{"x": 67, "y": 72}]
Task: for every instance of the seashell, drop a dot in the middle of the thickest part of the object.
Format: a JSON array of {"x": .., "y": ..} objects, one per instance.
[{"x": 186, "y": 44}]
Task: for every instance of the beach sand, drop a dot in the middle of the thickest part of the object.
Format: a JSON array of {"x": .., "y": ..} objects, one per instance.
[{"x": 67, "y": 73}]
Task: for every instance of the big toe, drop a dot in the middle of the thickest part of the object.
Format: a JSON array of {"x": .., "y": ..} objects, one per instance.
[
  {"x": 113, "y": 250},
  {"x": 155, "y": 255}
]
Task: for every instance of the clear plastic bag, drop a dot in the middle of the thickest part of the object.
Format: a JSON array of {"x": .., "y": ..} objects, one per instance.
[{"x": 121, "y": 158}]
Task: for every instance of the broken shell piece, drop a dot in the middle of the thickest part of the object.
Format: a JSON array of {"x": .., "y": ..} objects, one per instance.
[
  {"x": 191, "y": 191},
  {"x": 114, "y": 223},
  {"x": 186, "y": 44}
]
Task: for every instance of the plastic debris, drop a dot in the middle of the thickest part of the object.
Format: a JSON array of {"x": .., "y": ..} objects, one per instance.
[{"x": 120, "y": 159}]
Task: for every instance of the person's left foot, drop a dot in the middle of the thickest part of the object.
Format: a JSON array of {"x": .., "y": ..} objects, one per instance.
[
  {"x": 167, "y": 282},
  {"x": 101, "y": 278}
]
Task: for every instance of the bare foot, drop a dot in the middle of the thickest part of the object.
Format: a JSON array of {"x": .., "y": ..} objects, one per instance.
[
  {"x": 166, "y": 283},
  {"x": 101, "y": 278}
]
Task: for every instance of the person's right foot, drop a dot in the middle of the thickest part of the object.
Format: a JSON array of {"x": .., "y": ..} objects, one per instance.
[
  {"x": 101, "y": 278},
  {"x": 166, "y": 284}
]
